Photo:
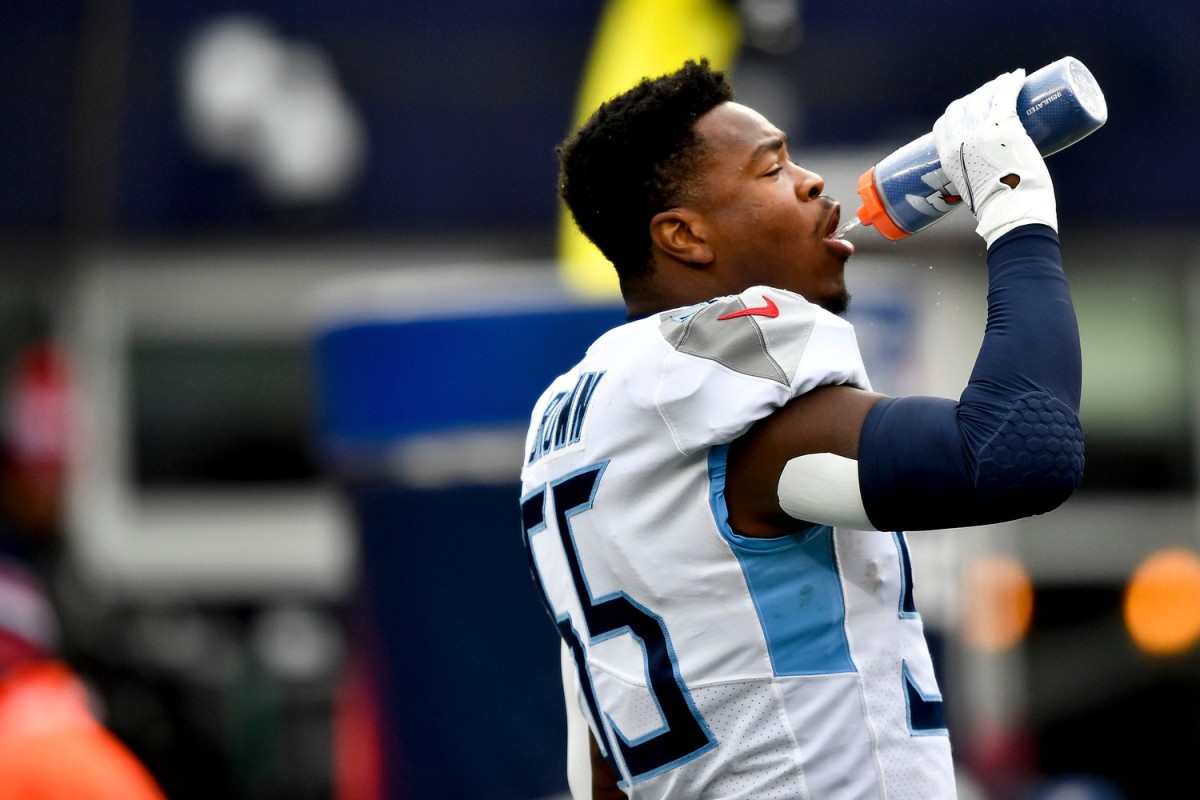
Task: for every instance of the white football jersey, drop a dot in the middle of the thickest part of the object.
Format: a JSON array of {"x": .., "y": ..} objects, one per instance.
[{"x": 708, "y": 664}]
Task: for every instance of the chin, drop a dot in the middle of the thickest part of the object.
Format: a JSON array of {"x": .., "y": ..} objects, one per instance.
[{"x": 838, "y": 304}]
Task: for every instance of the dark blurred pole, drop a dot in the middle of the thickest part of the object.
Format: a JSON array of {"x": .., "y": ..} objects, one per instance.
[
  {"x": 45, "y": 263},
  {"x": 91, "y": 174},
  {"x": 95, "y": 127}
]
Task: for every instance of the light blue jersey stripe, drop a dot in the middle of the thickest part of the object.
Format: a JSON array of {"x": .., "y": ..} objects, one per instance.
[{"x": 795, "y": 586}]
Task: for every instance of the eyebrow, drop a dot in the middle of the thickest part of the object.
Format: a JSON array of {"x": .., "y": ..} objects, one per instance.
[{"x": 772, "y": 146}]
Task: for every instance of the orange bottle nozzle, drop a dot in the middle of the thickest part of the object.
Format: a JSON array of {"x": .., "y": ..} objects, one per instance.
[{"x": 873, "y": 211}]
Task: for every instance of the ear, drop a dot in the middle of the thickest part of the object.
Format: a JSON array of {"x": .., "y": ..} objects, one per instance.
[{"x": 680, "y": 233}]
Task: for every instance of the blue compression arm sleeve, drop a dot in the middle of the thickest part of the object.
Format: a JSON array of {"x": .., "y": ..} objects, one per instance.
[{"x": 1012, "y": 445}]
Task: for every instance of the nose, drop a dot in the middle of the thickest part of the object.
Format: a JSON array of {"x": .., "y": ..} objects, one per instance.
[{"x": 809, "y": 185}]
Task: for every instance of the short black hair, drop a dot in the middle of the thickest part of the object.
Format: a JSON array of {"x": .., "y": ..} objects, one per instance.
[{"x": 635, "y": 157}]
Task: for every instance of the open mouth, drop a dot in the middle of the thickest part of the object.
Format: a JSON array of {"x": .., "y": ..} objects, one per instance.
[
  {"x": 840, "y": 246},
  {"x": 835, "y": 219}
]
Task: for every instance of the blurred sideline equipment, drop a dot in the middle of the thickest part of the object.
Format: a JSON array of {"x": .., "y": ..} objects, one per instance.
[
  {"x": 636, "y": 38},
  {"x": 51, "y": 743},
  {"x": 423, "y": 409}
]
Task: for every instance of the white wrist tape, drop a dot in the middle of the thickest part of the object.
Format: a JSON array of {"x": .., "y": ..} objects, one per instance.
[{"x": 823, "y": 488}]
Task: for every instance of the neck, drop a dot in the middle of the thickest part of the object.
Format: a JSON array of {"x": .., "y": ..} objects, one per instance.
[{"x": 671, "y": 285}]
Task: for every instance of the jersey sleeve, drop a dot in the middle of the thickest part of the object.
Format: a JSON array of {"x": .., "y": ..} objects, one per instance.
[{"x": 734, "y": 360}]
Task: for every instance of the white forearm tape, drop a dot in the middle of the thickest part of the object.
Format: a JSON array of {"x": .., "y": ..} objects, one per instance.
[
  {"x": 823, "y": 488},
  {"x": 579, "y": 756}
]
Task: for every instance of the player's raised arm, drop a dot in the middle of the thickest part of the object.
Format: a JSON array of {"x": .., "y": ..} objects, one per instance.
[{"x": 1011, "y": 446}]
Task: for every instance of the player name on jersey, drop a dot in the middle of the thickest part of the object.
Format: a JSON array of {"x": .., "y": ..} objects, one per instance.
[{"x": 562, "y": 422}]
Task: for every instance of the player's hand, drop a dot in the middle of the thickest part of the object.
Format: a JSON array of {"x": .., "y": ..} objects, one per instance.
[{"x": 992, "y": 162}]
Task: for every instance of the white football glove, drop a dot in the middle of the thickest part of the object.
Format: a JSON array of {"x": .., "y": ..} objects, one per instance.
[{"x": 980, "y": 140}]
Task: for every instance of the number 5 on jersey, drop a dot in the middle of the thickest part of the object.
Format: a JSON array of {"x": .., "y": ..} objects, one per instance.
[{"x": 683, "y": 734}]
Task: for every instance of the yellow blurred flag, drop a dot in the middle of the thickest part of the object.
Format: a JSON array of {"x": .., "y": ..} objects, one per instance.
[{"x": 639, "y": 39}]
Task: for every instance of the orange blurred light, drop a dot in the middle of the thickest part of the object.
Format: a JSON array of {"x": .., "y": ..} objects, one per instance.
[
  {"x": 1162, "y": 602},
  {"x": 998, "y": 603}
]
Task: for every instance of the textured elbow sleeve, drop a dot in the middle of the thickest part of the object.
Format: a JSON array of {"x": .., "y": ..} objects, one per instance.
[
  {"x": 1034, "y": 458},
  {"x": 925, "y": 464}
]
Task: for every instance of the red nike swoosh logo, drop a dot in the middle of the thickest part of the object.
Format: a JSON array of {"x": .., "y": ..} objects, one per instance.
[{"x": 769, "y": 310}]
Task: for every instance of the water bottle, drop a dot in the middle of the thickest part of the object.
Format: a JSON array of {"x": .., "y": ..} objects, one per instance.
[{"x": 908, "y": 191}]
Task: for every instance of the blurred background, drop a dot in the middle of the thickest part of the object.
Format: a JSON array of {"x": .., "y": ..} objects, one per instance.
[{"x": 280, "y": 279}]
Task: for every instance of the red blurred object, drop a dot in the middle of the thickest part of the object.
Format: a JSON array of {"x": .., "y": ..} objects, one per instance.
[
  {"x": 1003, "y": 758},
  {"x": 358, "y": 735},
  {"x": 36, "y": 439},
  {"x": 37, "y": 410},
  {"x": 51, "y": 744}
]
